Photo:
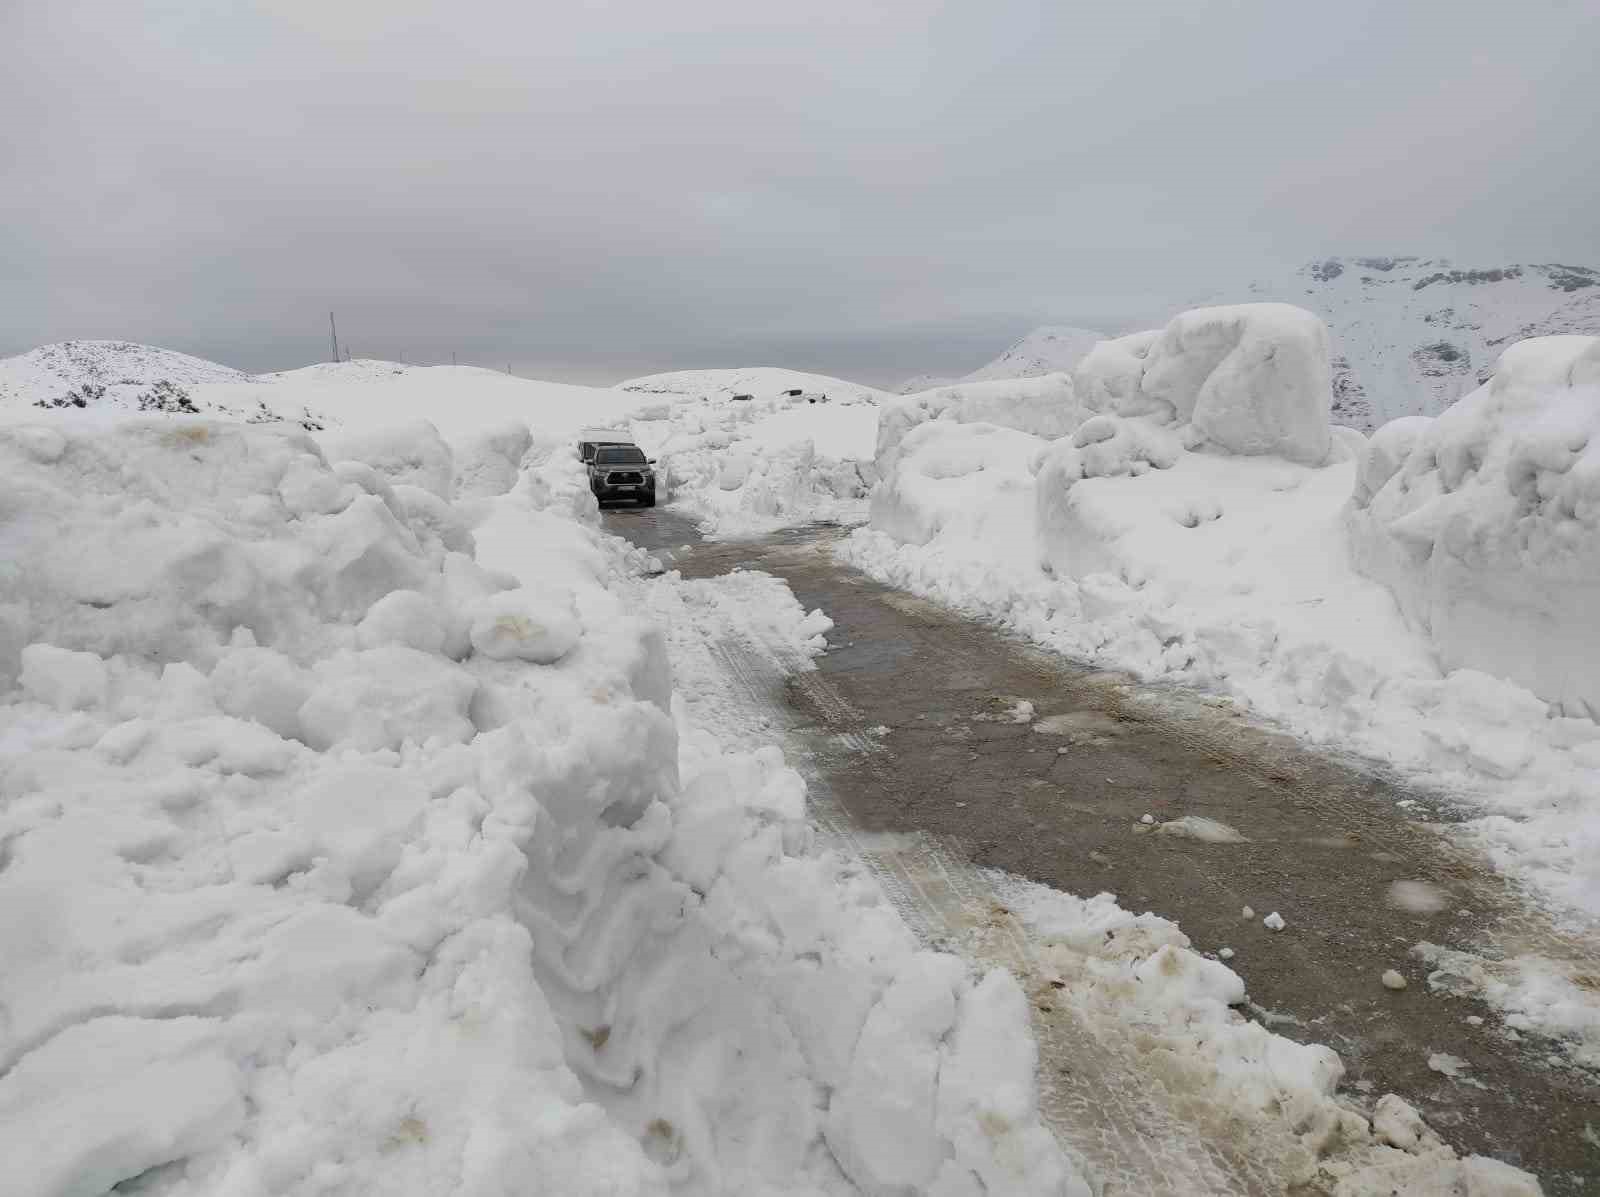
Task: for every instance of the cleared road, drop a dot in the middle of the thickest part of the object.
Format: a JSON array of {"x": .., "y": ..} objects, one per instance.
[{"x": 1324, "y": 844}]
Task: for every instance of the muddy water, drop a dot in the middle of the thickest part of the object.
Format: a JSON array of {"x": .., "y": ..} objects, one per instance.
[{"x": 1060, "y": 800}]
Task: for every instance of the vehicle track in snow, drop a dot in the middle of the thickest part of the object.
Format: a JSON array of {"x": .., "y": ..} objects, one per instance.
[{"x": 901, "y": 730}]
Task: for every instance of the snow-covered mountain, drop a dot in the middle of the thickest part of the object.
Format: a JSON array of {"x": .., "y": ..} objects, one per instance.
[
  {"x": 1046, "y": 350},
  {"x": 1413, "y": 335}
]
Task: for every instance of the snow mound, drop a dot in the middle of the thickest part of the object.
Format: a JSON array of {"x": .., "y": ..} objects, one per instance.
[
  {"x": 1252, "y": 379},
  {"x": 1485, "y": 522},
  {"x": 1051, "y": 349},
  {"x": 750, "y": 467},
  {"x": 1045, "y": 407},
  {"x": 1133, "y": 544},
  {"x": 340, "y": 858}
]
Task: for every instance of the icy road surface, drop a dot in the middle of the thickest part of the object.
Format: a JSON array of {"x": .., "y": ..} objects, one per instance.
[{"x": 920, "y": 753}]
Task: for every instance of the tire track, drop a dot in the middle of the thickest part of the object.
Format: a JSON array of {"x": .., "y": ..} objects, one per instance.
[{"x": 1112, "y": 1119}]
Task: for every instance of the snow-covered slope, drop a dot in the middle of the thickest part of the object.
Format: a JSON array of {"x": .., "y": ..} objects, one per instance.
[
  {"x": 761, "y": 382},
  {"x": 52, "y": 369},
  {"x": 1047, "y": 350},
  {"x": 1413, "y": 335},
  {"x": 1050, "y": 349},
  {"x": 457, "y": 400},
  {"x": 115, "y": 376}
]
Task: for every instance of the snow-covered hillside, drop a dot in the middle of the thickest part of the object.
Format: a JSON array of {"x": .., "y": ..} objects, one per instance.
[
  {"x": 1412, "y": 335},
  {"x": 760, "y": 382},
  {"x": 63, "y": 367},
  {"x": 457, "y": 400},
  {"x": 120, "y": 376},
  {"x": 1050, "y": 349}
]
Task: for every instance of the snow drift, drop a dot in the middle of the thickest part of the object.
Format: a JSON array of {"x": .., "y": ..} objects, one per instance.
[
  {"x": 748, "y": 467},
  {"x": 1045, "y": 407},
  {"x": 1215, "y": 549},
  {"x": 1251, "y": 378},
  {"x": 1485, "y": 522},
  {"x": 352, "y": 849}
]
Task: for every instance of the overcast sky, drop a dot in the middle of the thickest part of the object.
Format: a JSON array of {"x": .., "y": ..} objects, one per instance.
[{"x": 871, "y": 188}]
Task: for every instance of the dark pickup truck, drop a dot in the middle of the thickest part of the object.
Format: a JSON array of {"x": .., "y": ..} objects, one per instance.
[{"x": 622, "y": 472}]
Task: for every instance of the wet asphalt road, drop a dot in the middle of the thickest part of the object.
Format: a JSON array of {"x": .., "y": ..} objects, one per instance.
[{"x": 1059, "y": 801}]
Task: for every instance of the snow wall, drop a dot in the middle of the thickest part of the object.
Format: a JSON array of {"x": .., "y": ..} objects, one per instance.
[
  {"x": 349, "y": 848},
  {"x": 1485, "y": 522}
]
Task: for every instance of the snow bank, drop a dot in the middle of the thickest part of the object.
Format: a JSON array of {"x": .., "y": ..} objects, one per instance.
[
  {"x": 1044, "y": 407},
  {"x": 749, "y": 467},
  {"x": 1251, "y": 378},
  {"x": 339, "y": 859},
  {"x": 1485, "y": 522},
  {"x": 1135, "y": 544}
]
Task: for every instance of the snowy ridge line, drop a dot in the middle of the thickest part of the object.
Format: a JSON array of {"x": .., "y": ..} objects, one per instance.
[{"x": 1093, "y": 1102}]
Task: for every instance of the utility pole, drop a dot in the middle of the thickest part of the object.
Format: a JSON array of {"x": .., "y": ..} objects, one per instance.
[
  {"x": 452, "y": 357},
  {"x": 333, "y": 337}
]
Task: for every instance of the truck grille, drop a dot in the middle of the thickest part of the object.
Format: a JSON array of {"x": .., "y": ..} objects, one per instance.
[{"x": 623, "y": 478}]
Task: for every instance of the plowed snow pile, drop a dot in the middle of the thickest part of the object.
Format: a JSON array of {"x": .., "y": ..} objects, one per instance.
[
  {"x": 351, "y": 849},
  {"x": 1198, "y": 521},
  {"x": 750, "y": 466}
]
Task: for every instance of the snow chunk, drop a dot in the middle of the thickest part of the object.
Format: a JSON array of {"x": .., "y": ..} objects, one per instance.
[
  {"x": 63, "y": 679},
  {"x": 114, "y": 1097},
  {"x": 1397, "y": 1123},
  {"x": 413, "y": 454},
  {"x": 1046, "y": 407},
  {"x": 1253, "y": 378},
  {"x": 526, "y": 625},
  {"x": 1198, "y": 827},
  {"x": 405, "y": 617},
  {"x": 1485, "y": 522},
  {"x": 382, "y": 697},
  {"x": 1274, "y": 922}
]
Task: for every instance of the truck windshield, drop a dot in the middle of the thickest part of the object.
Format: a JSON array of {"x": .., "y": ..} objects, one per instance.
[{"x": 619, "y": 455}]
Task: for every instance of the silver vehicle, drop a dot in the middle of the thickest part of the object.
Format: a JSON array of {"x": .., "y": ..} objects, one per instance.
[{"x": 620, "y": 471}]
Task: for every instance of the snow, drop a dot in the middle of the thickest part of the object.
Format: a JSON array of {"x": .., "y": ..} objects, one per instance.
[
  {"x": 51, "y": 371},
  {"x": 1049, "y": 349},
  {"x": 1485, "y": 522},
  {"x": 1532, "y": 992},
  {"x": 746, "y": 468},
  {"x": 358, "y": 837},
  {"x": 760, "y": 382},
  {"x": 1137, "y": 974},
  {"x": 371, "y": 823},
  {"x": 1045, "y": 407},
  {"x": 1412, "y": 335},
  {"x": 1251, "y": 378},
  {"x": 1137, "y": 542}
]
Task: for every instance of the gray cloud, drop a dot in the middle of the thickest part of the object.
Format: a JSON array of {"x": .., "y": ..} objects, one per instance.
[{"x": 590, "y": 190}]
